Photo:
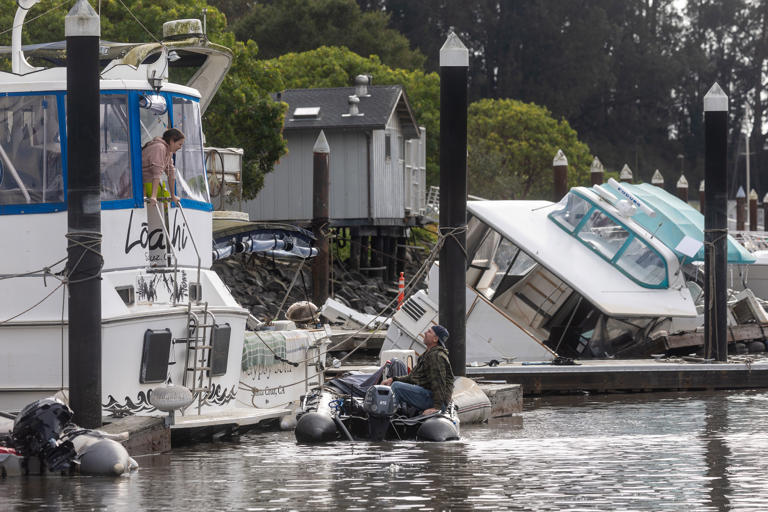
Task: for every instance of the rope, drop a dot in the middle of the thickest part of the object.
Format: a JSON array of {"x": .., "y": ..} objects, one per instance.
[
  {"x": 288, "y": 292},
  {"x": 35, "y": 18},
  {"x": 139, "y": 22}
]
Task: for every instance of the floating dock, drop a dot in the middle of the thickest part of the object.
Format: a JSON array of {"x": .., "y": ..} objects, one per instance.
[{"x": 631, "y": 375}]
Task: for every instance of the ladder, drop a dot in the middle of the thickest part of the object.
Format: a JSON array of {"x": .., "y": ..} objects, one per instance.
[{"x": 199, "y": 353}]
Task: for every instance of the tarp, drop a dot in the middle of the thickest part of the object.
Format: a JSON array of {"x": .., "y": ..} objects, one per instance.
[{"x": 675, "y": 219}]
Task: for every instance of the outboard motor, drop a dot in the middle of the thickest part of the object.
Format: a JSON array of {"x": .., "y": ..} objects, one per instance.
[
  {"x": 36, "y": 432},
  {"x": 380, "y": 404}
]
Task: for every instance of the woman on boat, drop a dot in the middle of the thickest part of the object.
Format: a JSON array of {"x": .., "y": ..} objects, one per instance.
[{"x": 156, "y": 159}]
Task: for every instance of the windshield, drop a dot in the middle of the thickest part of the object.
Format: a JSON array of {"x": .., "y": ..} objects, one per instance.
[
  {"x": 611, "y": 239},
  {"x": 30, "y": 150},
  {"x": 115, "y": 148},
  {"x": 190, "y": 177}
]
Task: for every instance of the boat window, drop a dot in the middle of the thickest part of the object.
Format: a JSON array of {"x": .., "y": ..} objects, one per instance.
[
  {"x": 570, "y": 211},
  {"x": 642, "y": 263},
  {"x": 190, "y": 177},
  {"x": 153, "y": 121},
  {"x": 602, "y": 234},
  {"x": 30, "y": 150},
  {"x": 115, "y": 148}
]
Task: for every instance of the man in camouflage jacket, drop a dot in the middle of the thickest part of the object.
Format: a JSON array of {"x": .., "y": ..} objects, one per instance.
[{"x": 429, "y": 387}]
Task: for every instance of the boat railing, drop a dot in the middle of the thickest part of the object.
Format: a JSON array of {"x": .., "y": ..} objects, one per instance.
[
  {"x": 168, "y": 244},
  {"x": 191, "y": 237}
]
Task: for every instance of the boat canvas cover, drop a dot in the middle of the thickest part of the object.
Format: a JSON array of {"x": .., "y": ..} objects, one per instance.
[
  {"x": 526, "y": 224},
  {"x": 675, "y": 219}
]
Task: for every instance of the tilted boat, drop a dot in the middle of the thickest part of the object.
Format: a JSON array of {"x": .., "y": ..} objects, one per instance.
[
  {"x": 609, "y": 271},
  {"x": 172, "y": 334}
]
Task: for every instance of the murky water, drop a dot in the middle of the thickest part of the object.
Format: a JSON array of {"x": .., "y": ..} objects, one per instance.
[{"x": 623, "y": 452}]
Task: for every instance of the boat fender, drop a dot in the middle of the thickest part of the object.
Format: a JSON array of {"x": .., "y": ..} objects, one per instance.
[
  {"x": 437, "y": 429},
  {"x": 314, "y": 427},
  {"x": 102, "y": 456},
  {"x": 170, "y": 397}
]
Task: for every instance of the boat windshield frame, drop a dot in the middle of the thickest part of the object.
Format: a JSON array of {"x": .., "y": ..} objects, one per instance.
[
  {"x": 134, "y": 199},
  {"x": 612, "y": 252}
]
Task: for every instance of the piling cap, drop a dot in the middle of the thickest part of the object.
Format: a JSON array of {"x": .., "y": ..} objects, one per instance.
[
  {"x": 715, "y": 100},
  {"x": 82, "y": 20},
  {"x": 321, "y": 144},
  {"x": 740, "y": 194},
  {"x": 626, "y": 173},
  {"x": 682, "y": 182},
  {"x": 753, "y": 195},
  {"x": 560, "y": 159},
  {"x": 701, "y": 186},
  {"x": 454, "y": 53},
  {"x": 597, "y": 166},
  {"x": 765, "y": 199},
  {"x": 657, "y": 178}
]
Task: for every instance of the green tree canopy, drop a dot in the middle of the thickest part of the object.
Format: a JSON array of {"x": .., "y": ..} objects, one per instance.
[
  {"x": 511, "y": 148},
  {"x": 337, "y": 67},
  {"x": 300, "y": 25}
]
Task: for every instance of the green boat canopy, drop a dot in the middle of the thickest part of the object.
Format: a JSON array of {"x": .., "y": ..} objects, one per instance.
[{"x": 674, "y": 219}]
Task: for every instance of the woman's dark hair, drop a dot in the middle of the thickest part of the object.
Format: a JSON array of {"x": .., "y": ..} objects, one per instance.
[{"x": 172, "y": 135}]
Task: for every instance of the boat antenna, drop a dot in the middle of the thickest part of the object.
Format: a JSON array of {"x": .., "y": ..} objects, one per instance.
[{"x": 205, "y": 23}]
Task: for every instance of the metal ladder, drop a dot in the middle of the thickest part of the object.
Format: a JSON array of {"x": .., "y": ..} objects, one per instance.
[{"x": 199, "y": 360}]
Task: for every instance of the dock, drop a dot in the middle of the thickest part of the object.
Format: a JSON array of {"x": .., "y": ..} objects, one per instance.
[{"x": 631, "y": 375}]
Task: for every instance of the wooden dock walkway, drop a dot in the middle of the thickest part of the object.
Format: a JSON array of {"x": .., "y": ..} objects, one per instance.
[{"x": 632, "y": 375}]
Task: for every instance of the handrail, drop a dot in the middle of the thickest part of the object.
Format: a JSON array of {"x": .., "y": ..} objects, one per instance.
[
  {"x": 169, "y": 244},
  {"x": 191, "y": 237}
]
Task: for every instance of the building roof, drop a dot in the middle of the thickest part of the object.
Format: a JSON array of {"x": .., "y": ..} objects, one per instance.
[{"x": 329, "y": 109}]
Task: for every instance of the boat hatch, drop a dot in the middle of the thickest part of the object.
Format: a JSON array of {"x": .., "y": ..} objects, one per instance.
[{"x": 33, "y": 149}]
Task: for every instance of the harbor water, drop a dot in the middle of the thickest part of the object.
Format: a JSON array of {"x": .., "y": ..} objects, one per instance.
[{"x": 664, "y": 451}]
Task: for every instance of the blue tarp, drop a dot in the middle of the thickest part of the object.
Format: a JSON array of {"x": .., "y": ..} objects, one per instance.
[{"x": 675, "y": 219}]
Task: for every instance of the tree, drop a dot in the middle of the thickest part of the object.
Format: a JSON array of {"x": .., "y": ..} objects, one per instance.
[
  {"x": 337, "y": 67},
  {"x": 300, "y": 25},
  {"x": 511, "y": 148}
]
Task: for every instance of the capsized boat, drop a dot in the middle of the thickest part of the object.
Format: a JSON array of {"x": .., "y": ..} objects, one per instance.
[
  {"x": 172, "y": 334},
  {"x": 609, "y": 271}
]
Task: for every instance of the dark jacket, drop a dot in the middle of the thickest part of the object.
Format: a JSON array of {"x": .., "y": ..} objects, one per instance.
[{"x": 433, "y": 372}]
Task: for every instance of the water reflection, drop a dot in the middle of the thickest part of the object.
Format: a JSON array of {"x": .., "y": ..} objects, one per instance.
[{"x": 638, "y": 452}]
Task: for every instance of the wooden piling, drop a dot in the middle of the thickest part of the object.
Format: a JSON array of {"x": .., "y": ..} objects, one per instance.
[
  {"x": 753, "y": 210},
  {"x": 741, "y": 199},
  {"x": 681, "y": 188},
  {"x": 596, "y": 172},
  {"x": 560, "y": 175},
  {"x": 321, "y": 186}
]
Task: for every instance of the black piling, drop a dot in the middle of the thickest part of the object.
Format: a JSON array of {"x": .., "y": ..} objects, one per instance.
[
  {"x": 321, "y": 186},
  {"x": 454, "y": 62},
  {"x": 715, "y": 218},
  {"x": 82, "y": 30}
]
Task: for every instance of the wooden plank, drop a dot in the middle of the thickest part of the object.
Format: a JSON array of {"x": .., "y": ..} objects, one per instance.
[{"x": 736, "y": 333}]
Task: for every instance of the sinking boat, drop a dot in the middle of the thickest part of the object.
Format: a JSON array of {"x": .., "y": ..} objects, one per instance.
[
  {"x": 173, "y": 336},
  {"x": 609, "y": 271}
]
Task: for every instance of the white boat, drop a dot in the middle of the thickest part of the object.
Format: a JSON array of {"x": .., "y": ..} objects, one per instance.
[
  {"x": 167, "y": 318},
  {"x": 609, "y": 271}
]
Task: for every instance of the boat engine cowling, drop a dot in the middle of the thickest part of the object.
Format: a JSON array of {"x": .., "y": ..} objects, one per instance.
[
  {"x": 380, "y": 405},
  {"x": 37, "y": 430}
]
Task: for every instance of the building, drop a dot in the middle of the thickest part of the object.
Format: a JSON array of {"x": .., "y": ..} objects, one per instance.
[{"x": 377, "y": 160}]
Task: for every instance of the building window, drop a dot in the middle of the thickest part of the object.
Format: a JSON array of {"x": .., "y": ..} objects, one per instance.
[{"x": 387, "y": 146}]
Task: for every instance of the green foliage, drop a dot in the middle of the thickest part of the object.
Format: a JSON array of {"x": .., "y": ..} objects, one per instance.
[
  {"x": 243, "y": 115},
  {"x": 337, "y": 67},
  {"x": 511, "y": 148},
  {"x": 299, "y": 25}
]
